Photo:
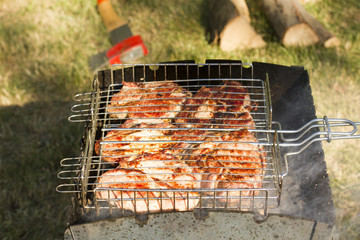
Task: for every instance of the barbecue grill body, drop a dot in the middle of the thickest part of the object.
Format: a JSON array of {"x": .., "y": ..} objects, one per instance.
[{"x": 306, "y": 208}]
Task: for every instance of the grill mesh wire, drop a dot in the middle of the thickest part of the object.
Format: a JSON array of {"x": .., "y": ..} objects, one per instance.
[{"x": 83, "y": 172}]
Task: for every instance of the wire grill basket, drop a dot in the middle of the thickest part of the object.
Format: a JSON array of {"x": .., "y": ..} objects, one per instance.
[{"x": 193, "y": 138}]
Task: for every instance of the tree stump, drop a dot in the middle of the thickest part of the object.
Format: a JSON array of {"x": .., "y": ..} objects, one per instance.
[
  {"x": 230, "y": 25},
  {"x": 295, "y": 26}
]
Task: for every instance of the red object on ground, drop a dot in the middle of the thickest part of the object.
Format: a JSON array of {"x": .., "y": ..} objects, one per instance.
[
  {"x": 132, "y": 45},
  {"x": 100, "y": 1}
]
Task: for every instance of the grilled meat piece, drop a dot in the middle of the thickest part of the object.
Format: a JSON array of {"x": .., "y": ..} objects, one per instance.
[
  {"x": 157, "y": 196},
  {"x": 230, "y": 160},
  {"x": 160, "y": 165},
  {"x": 110, "y": 183},
  {"x": 185, "y": 141},
  {"x": 150, "y": 102},
  {"x": 170, "y": 173},
  {"x": 208, "y": 158},
  {"x": 132, "y": 140},
  {"x": 226, "y": 106},
  {"x": 129, "y": 93}
]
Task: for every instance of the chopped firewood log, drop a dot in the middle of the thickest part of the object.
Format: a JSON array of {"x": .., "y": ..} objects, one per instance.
[
  {"x": 308, "y": 1},
  {"x": 230, "y": 25},
  {"x": 295, "y": 26}
]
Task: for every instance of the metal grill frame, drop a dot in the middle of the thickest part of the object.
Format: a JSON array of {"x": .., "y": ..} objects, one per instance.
[{"x": 84, "y": 165}]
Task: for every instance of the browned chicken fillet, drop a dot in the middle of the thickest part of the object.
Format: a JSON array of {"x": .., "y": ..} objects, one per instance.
[
  {"x": 155, "y": 157},
  {"x": 230, "y": 160},
  {"x": 130, "y": 141},
  {"x": 224, "y": 106},
  {"x": 150, "y": 102},
  {"x": 160, "y": 165},
  {"x": 169, "y": 172},
  {"x": 129, "y": 93},
  {"x": 185, "y": 141},
  {"x": 110, "y": 183},
  {"x": 154, "y": 198}
]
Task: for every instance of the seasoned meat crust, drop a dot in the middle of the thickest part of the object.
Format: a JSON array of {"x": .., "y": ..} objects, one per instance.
[
  {"x": 170, "y": 140},
  {"x": 230, "y": 160},
  {"x": 132, "y": 140},
  {"x": 147, "y": 201},
  {"x": 150, "y": 102},
  {"x": 224, "y": 106}
]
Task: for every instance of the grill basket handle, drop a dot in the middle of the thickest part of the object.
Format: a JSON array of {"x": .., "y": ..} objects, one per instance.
[{"x": 329, "y": 133}]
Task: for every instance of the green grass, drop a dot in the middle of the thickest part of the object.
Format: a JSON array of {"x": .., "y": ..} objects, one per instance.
[{"x": 44, "y": 47}]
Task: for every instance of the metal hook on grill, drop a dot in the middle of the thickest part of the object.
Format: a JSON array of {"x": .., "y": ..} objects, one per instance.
[{"x": 79, "y": 118}]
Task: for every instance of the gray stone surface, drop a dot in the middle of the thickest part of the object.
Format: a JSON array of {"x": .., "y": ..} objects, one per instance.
[{"x": 218, "y": 225}]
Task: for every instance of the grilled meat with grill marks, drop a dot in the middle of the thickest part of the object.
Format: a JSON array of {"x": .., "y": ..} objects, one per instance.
[
  {"x": 224, "y": 106},
  {"x": 230, "y": 160},
  {"x": 150, "y": 102},
  {"x": 153, "y": 199},
  {"x": 170, "y": 173},
  {"x": 185, "y": 141},
  {"x": 160, "y": 165},
  {"x": 128, "y": 179},
  {"x": 153, "y": 155},
  {"x": 130, "y": 92},
  {"x": 131, "y": 140}
]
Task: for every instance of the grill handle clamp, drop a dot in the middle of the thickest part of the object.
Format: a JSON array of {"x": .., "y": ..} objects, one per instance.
[{"x": 302, "y": 139}]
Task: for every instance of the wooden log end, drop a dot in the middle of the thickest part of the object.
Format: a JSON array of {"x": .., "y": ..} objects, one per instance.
[
  {"x": 308, "y": 1},
  {"x": 300, "y": 35},
  {"x": 332, "y": 42},
  {"x": 242, "y": 8},
  {"x": 239, "y": 34}
]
